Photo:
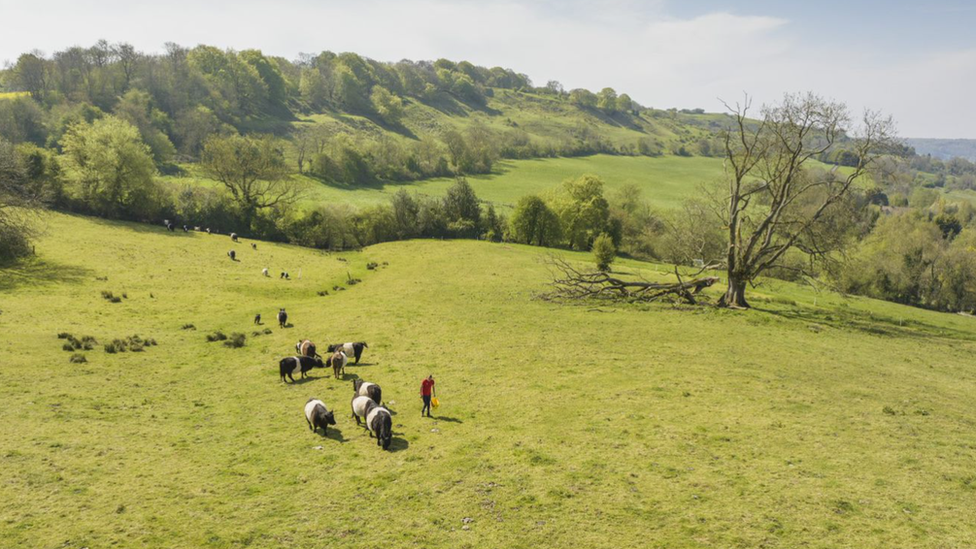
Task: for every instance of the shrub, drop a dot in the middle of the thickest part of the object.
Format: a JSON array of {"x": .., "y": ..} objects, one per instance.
[
  {"x": 77, "y": 358},
  {"x": 64, "y": 335},
  {"x": 236, "y": 340},
  {"x": 604, "y": 252},
  {"x": 116, "y": 346},
  {"x": 67, "y": 347},
  {"x": 216, "y": 336},
  {"x": 189, "y": 327}
]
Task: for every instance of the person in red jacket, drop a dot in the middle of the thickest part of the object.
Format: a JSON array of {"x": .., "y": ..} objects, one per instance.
[{"x": 426, "y": 392}]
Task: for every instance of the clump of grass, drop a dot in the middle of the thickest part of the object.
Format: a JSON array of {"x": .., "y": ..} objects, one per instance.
[
  {"x": 236, "y": 340},
  {"x": 888, "y": 410},
  {"x": 73, "y": 343},
  {"x": 67, "y": 347},
  {"x": 188, "y": 327},
  {"x": 63, "y": 335},
  {"x": 352, "y": 281},
  {"x": 116, "y": 346},
  {"x": 372, "y": 265},
  {"x": 323, "y": 293},
  {"x": 112, "y": 298},
  {"x": 267, "y": 331},
  {"x": 216, "y": 336},
  {"x": 77, "y": 358}
]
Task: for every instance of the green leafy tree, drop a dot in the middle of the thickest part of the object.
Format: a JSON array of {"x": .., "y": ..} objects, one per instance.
[
  {"x": 604, "y": 252},
  {"x": 388, "y": 106},
  {"x": 533, "y": 222},
  {"x": 461, "y": 208},
  {"x": 112, "y": 167},
  {"x": 583, "y": 211},
  {"x": 253, "y": 170},
  {"x": 607, "y": 100},
  {"x": 136, "y": 108},
  {"x": 583, "y": 98}
]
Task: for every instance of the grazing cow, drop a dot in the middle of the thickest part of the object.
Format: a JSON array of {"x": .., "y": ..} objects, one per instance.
[
  {"x": 306, "y": 348},
  {"x": 338, "y": 361},
  {"x": 285, "y": 275},
  {"x": 208, "y": 230},
  {"x": 354, "y": 350},
  {"x": 317, "y": 415},
  {"x": 257, "y": 318},
  {"x": 196, "y": 228},
  {"x": 379, "y": 421},
  {"x": 233, "y": 236},
  {"x": 232, "y": 255},
  {"x": 254, "y": 246},
  {"x": 186, "y": 229},
  {"x": 170, "y": 227},
  {"x": 288, "y": 364},
  {"x": 264, "y": 271},
  {"x": 367, "y": 389},
  {"x": 282, "y": 318},
  {"x": 361, "y": 407}
]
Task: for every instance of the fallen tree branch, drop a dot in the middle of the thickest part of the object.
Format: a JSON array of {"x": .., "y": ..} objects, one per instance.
[{"x": 569, "y": 282}]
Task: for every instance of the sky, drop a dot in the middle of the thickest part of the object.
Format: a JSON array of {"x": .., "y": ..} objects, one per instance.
[{"x": 913, "y": 60}]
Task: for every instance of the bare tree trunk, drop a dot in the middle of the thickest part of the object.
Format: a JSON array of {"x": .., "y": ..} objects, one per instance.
[{"x": 735, "y": 296}]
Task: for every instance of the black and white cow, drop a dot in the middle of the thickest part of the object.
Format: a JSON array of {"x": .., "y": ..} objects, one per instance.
[
  {"x": 305, "y": 347},
  {"x": 361, "y": 407},
  {"x": 186, "y": 229},
  {"x": 317, "y": 415},
  {"x": 264, "y": 271},
  {"x": 353, "y": 349},
  {"x": 254, "y": 246},
  {"x": 367, "y": 389},
  {"x": 379, "y": 421},
  {"x": 288, "y": 364},
  {"x": 282, "y": 318},
  {"x": 233, "y": 236},
  {"x": 171, "y": 227},
  {"x": 232, "y": 255}
]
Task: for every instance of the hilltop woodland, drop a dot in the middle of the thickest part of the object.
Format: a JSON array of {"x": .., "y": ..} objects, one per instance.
[{"x": 807, "y": 193}]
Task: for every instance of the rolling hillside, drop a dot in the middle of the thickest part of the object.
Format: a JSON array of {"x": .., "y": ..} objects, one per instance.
[{"x": 814, "y": 420}]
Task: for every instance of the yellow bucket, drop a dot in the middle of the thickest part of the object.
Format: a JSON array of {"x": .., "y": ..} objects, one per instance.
[{"x": 434, "y": 402}]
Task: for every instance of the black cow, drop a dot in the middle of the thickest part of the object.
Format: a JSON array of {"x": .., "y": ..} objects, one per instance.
[
  {"x": 232, "y": 255},
  {"x": 288, "y": 364},
  {"x": 317, "y": 415},
  {"x": 254, "y": 246},
  {"x": 257, "y": 319},
  {"x": 170, "y": 227},
  {"x": 282, "y": 318}
]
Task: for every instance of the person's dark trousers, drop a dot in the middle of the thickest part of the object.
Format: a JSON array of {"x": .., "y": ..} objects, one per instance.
[{"x": 426, "y": 405}]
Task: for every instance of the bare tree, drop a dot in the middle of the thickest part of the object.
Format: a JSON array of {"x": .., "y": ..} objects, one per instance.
[
  {"x": 774, "y": 204},
  {"x": 568, "y": 282}
]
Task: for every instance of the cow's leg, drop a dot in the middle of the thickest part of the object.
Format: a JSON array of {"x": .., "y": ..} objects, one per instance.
[{"x": 310, "y": 428}]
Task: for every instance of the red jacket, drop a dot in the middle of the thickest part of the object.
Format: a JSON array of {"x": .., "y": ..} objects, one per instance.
[{"x": 426, "y": 386}]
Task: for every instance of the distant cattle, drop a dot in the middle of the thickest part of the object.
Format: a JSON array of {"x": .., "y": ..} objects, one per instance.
[
  {"x": 306, "y": 348},
  {"x": 338, "y": 361},
  {"x": 351, "y": 349},
  {"x": 186, "y": 229},
  {"x": 287, "y": 366},
  {"x": 233, "y": 236},
  {"x": 232, "y": 255},
  {"x": 285, "y": 275},
  {"x": 254, "y": 246},
  {"x": 367, "y": 389},
  {"x": 170, "y": 227},
  {"x": 264, "y": 271},
  {"x": 282, "y": 318},
  {"x": 317, "y": 415},
  {"x": 257, "y": 318}
]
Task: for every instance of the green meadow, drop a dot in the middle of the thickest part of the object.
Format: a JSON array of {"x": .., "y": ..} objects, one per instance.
[
  {"x": 813, "y": 420},
  {"x": 665, "y": 181}
]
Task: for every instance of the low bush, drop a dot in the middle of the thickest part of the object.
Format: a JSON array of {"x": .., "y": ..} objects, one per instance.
[
  {"x": 236, "y": 340},
  {"x": 216, "y": 336},
  {"x": 77, "y": 358}
]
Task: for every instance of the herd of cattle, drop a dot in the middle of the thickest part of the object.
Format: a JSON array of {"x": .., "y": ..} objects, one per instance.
[
  {"x": 367, "y": 402},
  {"x": 367, "y": 399}
]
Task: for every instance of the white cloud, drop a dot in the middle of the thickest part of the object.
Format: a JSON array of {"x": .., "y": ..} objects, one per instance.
[{"x": 632, "y": 46}]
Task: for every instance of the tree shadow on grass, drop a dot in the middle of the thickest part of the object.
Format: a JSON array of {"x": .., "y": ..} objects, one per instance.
[
  {"x": 40, "y": 272},
  {"x": 872, "y": 324}
]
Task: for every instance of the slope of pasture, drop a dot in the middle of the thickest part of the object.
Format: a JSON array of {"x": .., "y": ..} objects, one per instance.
[
  {"x": 665, "y": 181},
  {"x": 813, "y": 421}
]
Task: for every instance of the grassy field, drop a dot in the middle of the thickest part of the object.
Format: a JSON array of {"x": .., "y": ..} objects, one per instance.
[
  {"x": 665, "y": 181},
  {"x": 813, "y": 421}
]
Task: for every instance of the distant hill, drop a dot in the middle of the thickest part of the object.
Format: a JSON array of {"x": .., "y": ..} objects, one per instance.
[{"x": 944, "y": 149}]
